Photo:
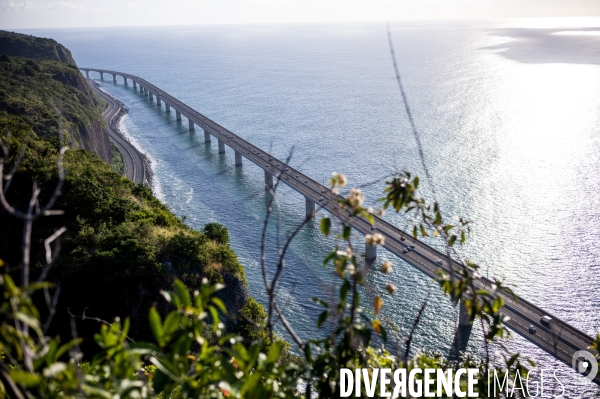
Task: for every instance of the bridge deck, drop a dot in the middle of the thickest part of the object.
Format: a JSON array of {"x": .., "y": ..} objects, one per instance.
[{"x": 561, "y": 340}]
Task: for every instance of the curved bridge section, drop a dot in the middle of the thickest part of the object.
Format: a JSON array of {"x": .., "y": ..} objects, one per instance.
[{"x": 557, "y": 338}]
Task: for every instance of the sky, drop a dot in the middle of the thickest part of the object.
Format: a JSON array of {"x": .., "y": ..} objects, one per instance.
[{"x": 23, "y": 14}]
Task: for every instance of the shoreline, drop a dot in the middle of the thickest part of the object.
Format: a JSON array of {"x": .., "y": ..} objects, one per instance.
[
  {"x": 131, "y": 155},
  {"x": 119, "y": 129}
]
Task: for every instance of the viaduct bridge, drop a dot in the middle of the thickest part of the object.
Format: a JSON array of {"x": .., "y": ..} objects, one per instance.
[{"x": 558, "y": 339}]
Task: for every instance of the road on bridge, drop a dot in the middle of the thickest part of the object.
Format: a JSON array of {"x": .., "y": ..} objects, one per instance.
[
  {"x": 559, "y": 339},
  {"x": 133, "y": 163}
]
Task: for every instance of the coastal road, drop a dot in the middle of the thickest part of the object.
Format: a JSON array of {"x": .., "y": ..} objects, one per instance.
[
  {"x": 560, "y": 339},
  {"x": 133, "y": 163}
]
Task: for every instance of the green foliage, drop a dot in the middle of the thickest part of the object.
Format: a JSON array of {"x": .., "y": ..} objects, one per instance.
[
  {"x": 122, "y": 245},
  {"x": 20, "y": 45},
  {"x": 116, "y": 164},
  {"x": 39, "y": 91},
  {"x": 217, "y": 232},
  {"x": 180, "y": 363}
]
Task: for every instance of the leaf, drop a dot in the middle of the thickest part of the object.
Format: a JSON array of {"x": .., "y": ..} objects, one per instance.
[
  {"x": 274, "y": 352},
  {"x": 171, "y": 323},
  {"x": 182, "y": 293},
  {"x": 66, "y": 347},
  {"x": 344, "y": 291},
  {"x": 347, "y": 232},
  {"x": 25, "y": 378},
  {"x": 377, "y": 326},
  {"x": 156, "y": 325},
  {"x": 452, "y": 240},
  {"x": 322, "y": 318},
  {"x": 438, "y": 218},
  {"x": 423, "y": 231},
  {"x": 165, "y": 367},
  {"x": 215, "y": 318},
  {"x": 325, "y": 226},
  {"x": 378, "y": 304}
]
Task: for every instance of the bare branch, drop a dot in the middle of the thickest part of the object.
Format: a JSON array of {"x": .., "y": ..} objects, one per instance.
[
  {"x": 51, "y": 309},
  {"x": 9, "y": 381},
  {"x": 414, "y": 326},
  {"x": 51, "y": 256},
  {"x": 288, "y": 327},
  {"x": 410, "y": 117}
]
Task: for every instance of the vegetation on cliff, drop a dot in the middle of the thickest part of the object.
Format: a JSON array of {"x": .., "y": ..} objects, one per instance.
[
  {"x": 20, "y": 45},
  {"x": 40, "y": 83},
  {"x": 122, "y": 245}
]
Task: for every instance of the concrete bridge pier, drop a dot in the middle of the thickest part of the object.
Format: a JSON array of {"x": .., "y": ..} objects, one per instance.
[
  {"x": 158, "y": 102},
  {"x": 191, "y": 124},
  {"x": 463, "y": 316},
  {"x": 87, "y": 74},
  {"x": 370, "y": 251},
  {"x": 134, "y": 84},
  {"x": 221, "y": 146},
  {"x": 124, "y": 80},
  {"x": 167, "y": 107},
  {"x": 150, "y": 95},
  {"x": 238, "y": 158},
  {"x": 460, "y": 342},
  {"x": 178, "y": 115},
  {"x": 101, "y": 75},
  {"x": 310, "y": 208},
  {"x": 206, "y": 136},
  {"x": 268, "y": 180},
  {"x": 114, "y": 77}
]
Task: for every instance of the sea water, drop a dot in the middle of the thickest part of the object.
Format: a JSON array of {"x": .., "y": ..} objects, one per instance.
[{"x": 508, "y": 113}]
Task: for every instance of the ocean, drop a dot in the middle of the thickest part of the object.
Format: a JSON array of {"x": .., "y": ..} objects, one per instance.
[{"x": 509, "y": 117}]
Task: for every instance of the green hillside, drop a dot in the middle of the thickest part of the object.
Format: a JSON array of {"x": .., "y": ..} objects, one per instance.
[
  {"x": 20, "y": 45},
  {"x": 40, "y": 83}
]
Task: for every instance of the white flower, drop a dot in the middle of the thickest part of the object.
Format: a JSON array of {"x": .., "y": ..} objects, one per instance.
[
  {"x": 350, "y": 268},
  {"x": 356, "y": 197},
  {"x": 374, "y": 239},
  {"x": 337, "y": 179},
  {"x": 386, "y": 267}
]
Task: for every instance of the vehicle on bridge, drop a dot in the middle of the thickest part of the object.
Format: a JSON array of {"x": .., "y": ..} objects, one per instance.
[{"x": 546, "y": 320}]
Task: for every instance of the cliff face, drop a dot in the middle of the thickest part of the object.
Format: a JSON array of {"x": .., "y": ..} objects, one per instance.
[
  {"x": 27, "y": 46},
  {"x": 40, "y": 83}
]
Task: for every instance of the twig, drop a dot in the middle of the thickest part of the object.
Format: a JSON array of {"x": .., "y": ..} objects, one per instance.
[
  {"x": 414, "y": 327},
  {"x": 51, "y": 309},
  {"x": 409, "y": 114},
  {"x": 50, "y": 255},
  {"x": 288, "y": 327}
]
